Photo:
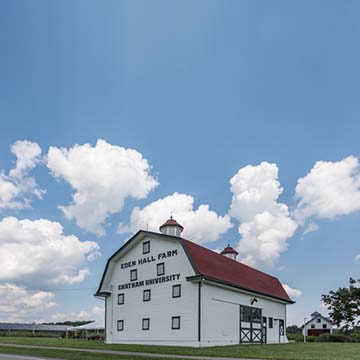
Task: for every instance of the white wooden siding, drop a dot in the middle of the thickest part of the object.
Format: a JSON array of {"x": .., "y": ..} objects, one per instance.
[
  {"x": 161, "y": 307},
  {"x": 220, "y": 315}
]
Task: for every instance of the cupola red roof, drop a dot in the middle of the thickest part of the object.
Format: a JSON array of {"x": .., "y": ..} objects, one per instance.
[
  {"x": 171, "y": 222},
  {"x": 229, "y": 250}
]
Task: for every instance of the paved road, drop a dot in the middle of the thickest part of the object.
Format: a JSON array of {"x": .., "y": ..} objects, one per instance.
[
  {"x": 21, "y": 357},
  {"x": 129, "y": 353}
]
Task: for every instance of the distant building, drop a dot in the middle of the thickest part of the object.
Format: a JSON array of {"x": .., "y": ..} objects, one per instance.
[
  {"x": 317, "y": 325},
  {"x": 92, "y": 330},
  {"x": 162, "y": 289},
  {"x": 42, "y": 328}
]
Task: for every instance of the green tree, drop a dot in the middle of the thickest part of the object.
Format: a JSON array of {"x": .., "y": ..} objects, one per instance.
[
  {"x": 344, "y": 305},
  {"x": 293, "y": 329}
]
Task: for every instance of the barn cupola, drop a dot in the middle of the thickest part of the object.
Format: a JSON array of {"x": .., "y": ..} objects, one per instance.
[
  {"x": 230, "y": 252},
  {"x": 171, "y": 227}
]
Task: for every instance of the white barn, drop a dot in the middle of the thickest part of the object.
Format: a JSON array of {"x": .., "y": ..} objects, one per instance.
[
  {"x": 317, "y": 325},
  {"x": 161, "y": 289}
]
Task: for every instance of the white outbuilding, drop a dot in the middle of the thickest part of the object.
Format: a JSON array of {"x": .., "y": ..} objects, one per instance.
[
  {"x": 317, "y": 325},
  {"x": 161, "y": 289}
]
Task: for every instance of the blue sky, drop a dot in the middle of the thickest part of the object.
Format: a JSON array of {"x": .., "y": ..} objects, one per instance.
[{"x": 201, "y": 90}]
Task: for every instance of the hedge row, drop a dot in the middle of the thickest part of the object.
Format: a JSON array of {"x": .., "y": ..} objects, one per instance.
[
  {"x": 336, "y": 337},
  {"x": 351, "y": 337}
]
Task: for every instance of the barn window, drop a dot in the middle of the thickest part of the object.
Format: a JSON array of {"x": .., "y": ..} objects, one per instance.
[
  {"x": 271, "y": 323},
  {"x": 133, "y": 275},
  {"x": 175, "y": 322},
  {"x": 318, "y": 320},
  {"x": 120, "y": 325},
  {"x": 249, "y": 314},
  {"x": 256, "y": 315},
  {"x": 313, "y": 326},
  {"x": 324, "y": 326},
  {"x": 160, "y": 269},
  {"x": 147, "y": 295},
  {"x": 146, "y": 247},
  {"x": 176, "y": 291},
  {"x": 121, "y": 298},
  {"x": 246, "y": 313},
  {"x": 146, "y": 324},
  {"x": 264, "y": 321}
]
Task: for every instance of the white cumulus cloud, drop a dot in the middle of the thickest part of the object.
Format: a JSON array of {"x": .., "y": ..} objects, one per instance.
[
  {"x": 357, "y": 257},
  {"x": 312, "y": 227},
  {"x": 201, "y": 225},
  {"x": 102, "y": 176},
  {"x": 38, "y": 252},
  {"x": 98, "y": 310},
  {"x": 265, "y": 224},
  {"x": 8, "y": 193},
  {"x": 329, "y": 190},
  {"x": 17, "y": 188},
  {"x": 292, "y": 292},
  {"x": 254, "y": 189},
  {"x": 27, "y": 157},
  {"x": 19, "y": 304}
]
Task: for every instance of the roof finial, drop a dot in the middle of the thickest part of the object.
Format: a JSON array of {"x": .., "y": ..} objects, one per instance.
[{"x": 171, "y": 215}]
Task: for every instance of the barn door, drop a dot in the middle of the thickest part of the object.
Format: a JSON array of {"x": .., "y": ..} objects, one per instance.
[
  {"x": 281, "y": 330},
  {"x": 264, "y": 334},
  {"x": 250, "y": 325}
]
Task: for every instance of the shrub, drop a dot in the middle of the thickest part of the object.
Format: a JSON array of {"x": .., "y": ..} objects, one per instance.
[
  {"x": 354, "y": 336},
  {"x": 295, "y": 337},
  {"x": 333, "y": 338},
  {"x": 311, "y": 338}
]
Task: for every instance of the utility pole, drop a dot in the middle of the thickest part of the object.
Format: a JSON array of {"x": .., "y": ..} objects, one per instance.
[{"x": 304, "y": 331}]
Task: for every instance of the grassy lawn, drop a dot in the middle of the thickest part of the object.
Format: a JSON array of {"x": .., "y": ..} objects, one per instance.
[
  {"x": 71, "y": 355},
  {"x": 294, "y": 351}
]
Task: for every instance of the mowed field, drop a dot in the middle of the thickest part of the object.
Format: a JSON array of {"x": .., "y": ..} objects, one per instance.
[{"x": 293, "y": 351}]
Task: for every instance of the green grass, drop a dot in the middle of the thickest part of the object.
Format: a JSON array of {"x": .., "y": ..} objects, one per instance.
[
  {"x": 71, "y": 355},
  {"x": 293, "y": 351}
]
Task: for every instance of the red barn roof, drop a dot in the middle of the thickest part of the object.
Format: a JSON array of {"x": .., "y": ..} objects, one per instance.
[{"x": 231, "y": 272}]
